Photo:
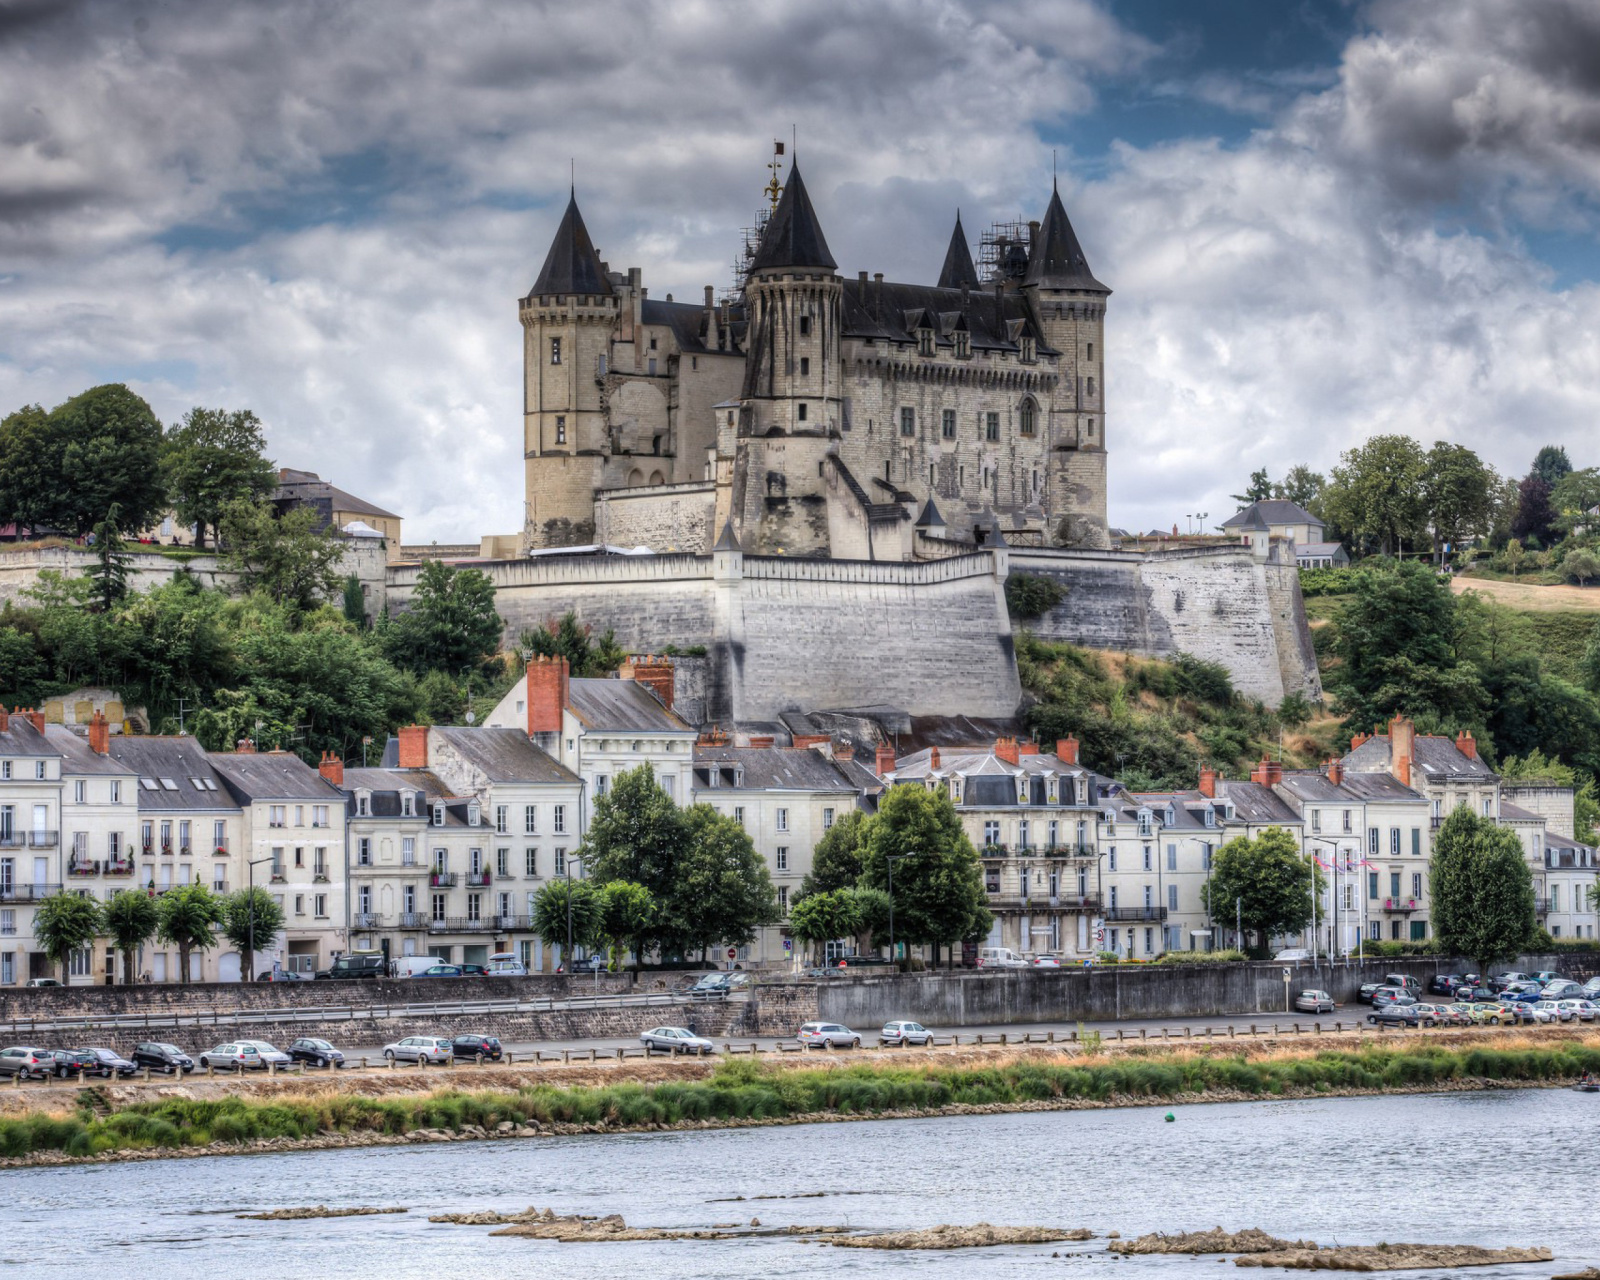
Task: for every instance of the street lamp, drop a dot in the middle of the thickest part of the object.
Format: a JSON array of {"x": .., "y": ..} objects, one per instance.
[
  {"x": 570, "y": 860},
  {"x": 250, "y": 920}
]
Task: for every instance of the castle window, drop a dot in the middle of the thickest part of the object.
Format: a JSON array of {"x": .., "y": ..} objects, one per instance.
[
  {"x": 963, "y": 343},
  {"x": 948, "y": 424},
  {"x": 924, "y": 342},
  {"x": 1091, "y": 428},
  {"x": 1027, "y": 349},
  {"x": 1027, "y": 417},
  {"x": 802, "y": 413},
  {"x": 694, "y": 362},
  {"x": 908, "y": 421},
  {"x": 561, "y": 429},
  {"x": 991, "y": 426},
  {"x": 652, "y": 344},
  {"x": 1091, "y": 388},
  {"x": 805, "y": 326},
  {"x": 1091, "y": 351},
  {"x": 555, "y": 350},
  {"x": 805, "y": 366}
]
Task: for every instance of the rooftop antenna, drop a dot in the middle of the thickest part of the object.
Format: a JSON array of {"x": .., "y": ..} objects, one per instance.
[{"x": 572, "y": 161}]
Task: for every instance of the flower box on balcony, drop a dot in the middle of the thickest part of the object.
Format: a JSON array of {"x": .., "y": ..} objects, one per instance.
[{"x": 221, "y": 851}]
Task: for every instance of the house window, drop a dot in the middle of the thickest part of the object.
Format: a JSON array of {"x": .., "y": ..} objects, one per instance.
[
  {"x": 1347, "y": 825},
  {"x": 474, "y": 907},
  {"x": 1172, "y": 857},
  {"x": 116, "y": 792},
  {"x": 1205, "y": 857},
  {"x": 561, "y": 428},
  {"x": 500, "y": 819},
  {"x": 801, "y": 413},
  {"x": 39, "y": 770},
  {"x": 299, "y": 904},
  {"x": 1394, "y": 884},
  {"x": 924, "y": 342},
  {"x": 472, "y": 814},
  {"x": 319, "y": 815},
  {"x": 1372, "y": 884},
  {"x": 783, "y": 819},
  {"x": 908, "y": 421},
  {"x": 1111, "y": 854},
  {"x": 408, "y": 805},
  {"x": 530, "y": 863},
  {"x": 1027, "y": 350},
  {"x": 561, "y": 862},
  {"x": 1172, "y": 897},
  {"x": 783, "y": 857},
  {"x": 991, "y": 833},
  {"x": 1372, "y": 841},
  {"x": 947, "y": 424},
  {"x": 827, "y": 819},
  {"x": 364, "y": 852},
  {"x": 1316, "y": 820},
  {"x": 530, "y": 820},
  {"x": 502, "y": 863},
  {"x": 438, "y": 815},
  {"x": 963, "y": 343},
  {"x": 805, "y": 366},
  {"x": 555, "y": 350},
  {"x": 559, "y": 820},
  {"x": 363, "y": 805},
  {"x": 1027, "y": 417},
  {"x": 1394, "y": 841},
  {"x": 1488, "y": 807},
  {"x": 1416, "y": 884},
  {"x": 78, "y": 791},
  {"x": 1416, "y": 842},
  {"x": 783, "y": 899},
  {"x": 408, "y": 851},
  {"x": 277, "y": 816},
  {"x": 738, "y": 814},
  {"x": 438, "y": 908}
]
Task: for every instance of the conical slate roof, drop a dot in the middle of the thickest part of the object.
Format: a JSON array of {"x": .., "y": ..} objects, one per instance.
[
  {"x": 793, "y": 237},
  {"x": 930, "y": 517},
  {"x": 1056, "y": 260},
  {"x": 729, "y": 541},
  {"x": 958, "y": 269},
  {"x": 572, "y": 265}
]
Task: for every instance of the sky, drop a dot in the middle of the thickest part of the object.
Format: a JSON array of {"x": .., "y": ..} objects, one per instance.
[{"x": 1321, "y": 219}]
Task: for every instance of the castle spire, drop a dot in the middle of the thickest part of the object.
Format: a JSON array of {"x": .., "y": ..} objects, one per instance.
[
  {"x": 793, "y": 237},
  {"x": 1056, "y": 260},
  {"x": 958, "y": 270},
  {"x": 572, "y": 266}
]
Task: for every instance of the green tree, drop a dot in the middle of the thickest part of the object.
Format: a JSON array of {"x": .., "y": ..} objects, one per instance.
[
  {"x": 1515, "y": 556},
  {"x": 1302, "y": 486},
  {"x": 1574, "y": 497},
  {"x": 1265, "y": 883},
  {"x": 1534, "y": 515},
  {"x": 723, "y": 892},
  {"x": 109, "y": 573},
  {"x": 836, "y": 860},
  {"x": 185, "y": 919},
  {"x": 566, "y": 637},
  {"x": 627, "y": 915},
  {"x": 1258, "y": 490},
  {"x": 442, "y": 699},
  {"x": 451, "y": 625},
  {"x": 1458, "y": 495},
  {"x": 1580, "y": 566},
  {"x": 355, "y": 604},
  {"x": 938, "y": 882},
  {"x": 552, "y": 915},
  {"x": 251, "y": 918},
  {"x": 22, "y": 667},
  {"x": 1377, "y": 492},
  {"x": 212, "y": 458},
  {"x": 825, "y": 917},
  {"x": 1029, "y": 595},
  {"x": 1551, "y": 464},
  {"x": 639, "y": 835},
  {"x": 64, "y": 469},
  {"x": 1482, "y": 891},
  {"x": 284, "y": 557},
  {"x": 177, "y": 644},
  {"x": 64, "y": 923},
  {"x": 131, "y": 921}
]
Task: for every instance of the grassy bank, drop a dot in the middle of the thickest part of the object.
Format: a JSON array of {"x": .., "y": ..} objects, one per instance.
[{"x": 746, "y": 1090}]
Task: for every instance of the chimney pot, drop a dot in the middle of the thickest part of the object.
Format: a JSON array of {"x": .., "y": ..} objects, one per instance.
[
  {"x": 332, "y": 768},
  {"x": 1006, "y": 749},
  {"x": 414, "y": 746},
  {"x": 884, "y": 761},
  {"x": 1067, "y": 750},
  {"x": 711, "y": 297},
  {"x": 1467, "y": 745},
  {"x": 99, "y": 733},
  {"x": 1208, "y": 783},
  {"x": 1336, "y": 771},
  {"x": 245, "y": 747},
  {"x": 548, "y": 686},
  {"x": 655, "y": 674}
]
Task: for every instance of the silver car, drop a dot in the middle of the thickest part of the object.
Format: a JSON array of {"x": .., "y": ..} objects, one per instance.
[
  {"x": 903, "y": 1032},
  {"x": 1314, "y": 1002},
  {"x": 830, "y": 1035},
  {"x": 244, "y": 1055},
  {"x": 676, "y": 1040},
  {"x": 1582, "y": 1010},
  {"x": 419, "y": 1049}
]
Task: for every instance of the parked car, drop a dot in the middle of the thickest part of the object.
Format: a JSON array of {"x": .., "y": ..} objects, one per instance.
[
  {"x": 44, "y": 982},
  {"x": 26, "y": 1061},
  {"x": 1293, "y": 953},
  {"x": 418, "y": 1049},
  {"x": 830, "y": 1035},
  {"x": 113, "y": 1063},
  {"x": 1520, "y": 995},
  {"x": 1503, "y": 980},
  {"x": 166, "y": 1058},
  {"x": 1454, "y": 1015},
  {"x": 1562, "y": 989},
  {"x": 65, "y": 1063},
  {"x": 1397, "y": 981},
  {"x": 676, "y": 1040},
  {"x": 505, "y": 964},
  {"x": 439, "y": 971},
  {"x": 1314, "y": 1002},
  {"x": 1582, "y": 1010},
  {"x": 905, "y": 1033},
  {"x": 1046, "y": 962},
  {"x": 1444, "y": 984},
  {"x": 1000, "y": 958},
  {"x": 1432, "y": 1015},
  {"x": 244, "y": 1055},
  {"x": 864, "y": 962},
  {"x": 474, "y": 970},
  {"x": 1398, "y": 1015},
  {"x": 319, "y": 1053},
  {"x": 476, "y": 1048},
  {"x": 1550, "y": 1011},
  {"x": 1591, "y": 989},
  {"x": 358, "y": 964},
  {"x": 1546, "y": 976},
  {"x": 284, "y": 975},
  {"x": 1384, "y": 997}
]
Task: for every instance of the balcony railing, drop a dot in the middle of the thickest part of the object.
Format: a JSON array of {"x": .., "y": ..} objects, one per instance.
[
  {"x": 1541, "y": 906},
  {"x": 367, "y": 920},
  {"x": 442, "y": 879},
  {"x": 478, "y": 879},
  {"x": 1058, "y": 852},
  {"x": 27, "y": 892},
  {"x": 1401, "y": 906},
  {"x": 483, "y": 924},
  {"x": 1043, "y": 902},
  {"x": 13, "y": 839},
  {"x": 1124, "y": 914},
  {"x": 43, "y": 839},
  {"x": 117, "y": 867},
  {"x": 82, "y": 867},
  {"x": 219, "y": 848},
  {"x": 411, "y": 920}
]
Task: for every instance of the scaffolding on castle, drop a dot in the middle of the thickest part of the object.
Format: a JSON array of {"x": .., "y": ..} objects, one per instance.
[{"x": 1003, "y": 251}]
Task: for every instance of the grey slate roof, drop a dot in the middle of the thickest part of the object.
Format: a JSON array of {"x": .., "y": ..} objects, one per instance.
[
  {"x": 688, "y": 324},
  {"x": 273, "y": 775},
  {"x": 307, "y": 487},
  {"x": 727, "y": 540},
  {"x": 1516, "y": 813},
  {"x": 1439, "y": 758},
  {"x": 385, "y": 786},
  {"x": 793, "y": 237},
  {"x": 77, "y": 758},
  {"x": 958, "y": 269},
  {"x": 572, "y": 266},
  {"x": 1382, "y": 788},
  {"x": 621, "y": 706},
  {"x": 1313, "y": 784},
  {"x": 1255, "y": 804},
  {"x": 1319, "y": 548},
  {"x": 505, "y": 755},
  {"x": 891, "y": 312},
  {"x": 769, "y": 768},
  {"x": 1271, "y": 511},
  {"x": 1056, "y": 260},
  {"x": 179, "y": 760},
  {"x": 22, "y": 739},
  {"x": 930, "y": 517}
]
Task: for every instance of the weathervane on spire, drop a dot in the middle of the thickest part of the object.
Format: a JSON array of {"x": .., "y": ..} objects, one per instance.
[{"x": 774, "y": 188}]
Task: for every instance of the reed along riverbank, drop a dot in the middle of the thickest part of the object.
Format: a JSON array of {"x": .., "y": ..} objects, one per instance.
[{"x": 746, "y": 1091}]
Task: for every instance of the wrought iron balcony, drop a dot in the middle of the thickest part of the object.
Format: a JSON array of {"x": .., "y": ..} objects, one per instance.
[
  {"x": 117, "y": 867},
  {"x": 82, "y": 867},
  {"x": 442, "y": 879},
  {"x": 1401, "y": 906},
  {"x": 411, "y": 920},
  {"x": 1150, "y": 915},
  {"x": 478, "y": 879},
  {"x": 27, "y": 892},
  {"x": 43, "y": 839},
  {"x": 367, "y": 920}
]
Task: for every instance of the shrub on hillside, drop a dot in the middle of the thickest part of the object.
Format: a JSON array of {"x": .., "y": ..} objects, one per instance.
[{"x": 1030, "y": 596}]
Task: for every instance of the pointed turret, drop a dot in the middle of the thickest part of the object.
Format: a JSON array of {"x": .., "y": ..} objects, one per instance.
[
  {"x": 572, "y": 266},
  {"x": 793, "y": 237},
  {"x": 958, "y": 270},
  {"x": 1056, "y": 260},
  {"x": 728, "y": 541}
]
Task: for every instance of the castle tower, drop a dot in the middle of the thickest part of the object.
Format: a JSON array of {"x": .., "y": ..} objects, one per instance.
[
  {"x": 793, "y": 389},
  {"x": 567, "y": 319},
  {"x": 1070, "y": 305}
]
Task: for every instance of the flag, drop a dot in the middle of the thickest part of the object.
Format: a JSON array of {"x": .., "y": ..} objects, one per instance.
[{"x": 777, "y": 148}]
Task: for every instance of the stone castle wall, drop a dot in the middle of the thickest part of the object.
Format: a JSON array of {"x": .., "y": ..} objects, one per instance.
[{"x": 674, "y": 517}]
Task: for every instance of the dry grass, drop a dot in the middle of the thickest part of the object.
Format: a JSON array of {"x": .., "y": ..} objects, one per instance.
[{"x": 1531, "y": 597}]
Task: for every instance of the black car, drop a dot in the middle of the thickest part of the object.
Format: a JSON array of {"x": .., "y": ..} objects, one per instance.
[
  {"x": 359, "y": 964},
  {"x": 1399, "y": 1015},
  {"x": 166, "y": 1058},
  {"x": 1444, "y": 984},
  {"x": 475, "y": 970},
  {"x": 114, "y": 1063},
  {"x": 476, "y": 1049},
  {"x": 319, "y": 1053},
  {"x": 69, "y": 1062}
]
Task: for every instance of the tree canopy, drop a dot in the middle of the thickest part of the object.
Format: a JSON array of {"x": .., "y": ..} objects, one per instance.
[
  {"x": 64, "y": 923},
  {"x": 937, "y": 880},
  {"x": 285, "y": 557},
  {"x": 130, "y": 922},
  {"x": 185, "y": 916},
  {"x": 212, "y": 458},
  {"x": 251, "y": 919},
  {"x": 1264, "y": 882},
  {"x": 1376, "y": 492},
  {"x": 451, "y": 625},
  {"x": 1482, "y": 890}
]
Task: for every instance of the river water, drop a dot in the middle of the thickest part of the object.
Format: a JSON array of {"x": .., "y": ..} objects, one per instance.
[{"x": 1450, "y": 1168}]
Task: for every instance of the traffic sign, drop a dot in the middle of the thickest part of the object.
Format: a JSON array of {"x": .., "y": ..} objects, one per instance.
[
  {"x": 788, "y": 944},
  {"x": 733, "y": 953}
]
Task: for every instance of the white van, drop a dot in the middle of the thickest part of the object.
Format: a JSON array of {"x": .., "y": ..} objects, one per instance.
[
  {"x": 1000, "y": 958},
  {"x": 505, "y": 964},
  {"x": 411, "y": 966}
]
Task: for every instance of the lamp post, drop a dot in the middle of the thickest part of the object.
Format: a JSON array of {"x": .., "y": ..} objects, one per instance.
[
  {"x": 570, "y": 860},
  {"x": 250, "y": 920}
]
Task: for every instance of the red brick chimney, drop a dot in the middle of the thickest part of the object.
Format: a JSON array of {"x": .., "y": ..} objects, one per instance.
[
  {"x": 761, "y": 741},
  {"x": 1357, "y": 739},
  {"x": 34, "y": 717},
  {"x": 1027, "y": 747},
  {"x": 845, "y": 751},
  {"x": 885, "y": 761},
  {"x": 1208, "y": 783},
  {"x": 1067, "y": 750},
  {"x": 244, "y": 747},
  {"x": 1336, "y": 771},
  {"x": 655, "y": 674},
  {"x": 5, "y": 719},
  {"x": 414, "y": 746},
  {"x": 811, "y": 739},
  {"x": 1006, "y": 749},
  {"x": 99, "y": 734},
  {"x": 933, "y": 758},
  {"x": 1402, "y": 748},
  {"x": 332, "y": 768},
  {"x": 548, "y": 686},
  {"x": 1269, "y": 773},
  {"x": 1467, "y": 745}
]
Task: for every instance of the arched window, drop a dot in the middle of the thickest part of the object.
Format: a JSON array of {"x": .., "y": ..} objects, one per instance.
[{"x": 1027, "y": 417}]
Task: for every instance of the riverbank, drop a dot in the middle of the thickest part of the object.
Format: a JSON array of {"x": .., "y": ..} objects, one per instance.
[{"x": 340, "y": 1110}]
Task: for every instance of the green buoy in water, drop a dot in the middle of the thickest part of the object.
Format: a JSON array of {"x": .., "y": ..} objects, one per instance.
[{"x": 1170, "y": 1117}]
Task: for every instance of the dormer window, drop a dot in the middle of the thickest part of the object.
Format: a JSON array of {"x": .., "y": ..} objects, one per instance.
[
  {"x": 363, "y": 804},
  {"x": 438, "y": 815},
  {"x": 408, "y": 805},
  {"x": 472, "y": 814},
  {"x": 924, "y": 341},
  {"x": 1211, "y": 815},
  {"x": 1027, "y": 348},
  {"x": 963, "y": 344}
]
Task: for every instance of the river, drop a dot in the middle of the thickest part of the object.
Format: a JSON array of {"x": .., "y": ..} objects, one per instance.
[{"x": 1494, "y": 1168}]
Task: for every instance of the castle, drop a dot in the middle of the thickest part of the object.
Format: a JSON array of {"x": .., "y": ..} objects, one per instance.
[{"x": 816, "y": 415}]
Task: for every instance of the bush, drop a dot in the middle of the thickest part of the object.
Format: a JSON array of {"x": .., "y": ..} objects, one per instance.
[
  {"x": 1029, "y": 596},
  {"x": 1326, "y": 582},
  {"x": 1200, "y": 957}
]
